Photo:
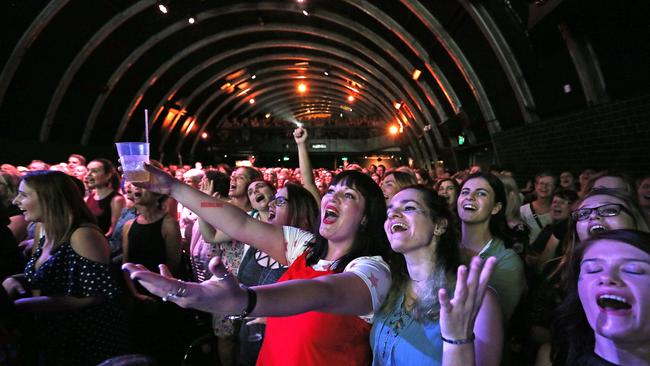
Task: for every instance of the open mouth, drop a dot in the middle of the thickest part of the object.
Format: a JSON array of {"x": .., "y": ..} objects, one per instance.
[
  {"x": 398, "y": 227},
  {"x": 271, "y": 215},
  {"x": 259, "y": 198},
  {"x": 331, "y": 215},
  {"x": 613, "y": 302},
  {"x": 469, "y": 207},
  {"x": 597, "y": 229}
]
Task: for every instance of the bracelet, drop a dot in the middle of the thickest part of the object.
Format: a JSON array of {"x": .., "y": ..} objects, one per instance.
[
  {"x": 459, "y": 341},
  {"x": 252, "y": 301}
]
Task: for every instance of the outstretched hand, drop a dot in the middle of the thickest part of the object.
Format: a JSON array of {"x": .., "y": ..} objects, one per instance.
[
  {"x": 159, "y": 181},
  {"x": 458, "y": 315},
  {"x": 221, "y": 294},
  {"x": 300, "y": 135}
]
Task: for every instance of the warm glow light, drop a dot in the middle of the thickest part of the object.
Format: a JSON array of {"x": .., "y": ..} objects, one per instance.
[
  {"x": 393, "y": 130},
  {"x": 268, "y": 115},
  {"x": 162, "y": 8},
  {"x": 251, "y": 101},
  {"x": 397, "y": 105},
  {"x": 302, "y": 87},
  {"x": 350, "y": 98},
  {"x": 416, "y": 74},
  {"x": 191, "y": 20},
  {"x": 305, "y": 13},
  {"x": 204, "y": 135}
]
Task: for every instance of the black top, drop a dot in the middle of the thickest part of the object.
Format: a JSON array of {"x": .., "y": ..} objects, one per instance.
[
  {"x": 83, "y": 336},
  {"x": 592, "y": 359},
  {"x": 101, "y": 210},
  {"x": 147, "y": 245}
]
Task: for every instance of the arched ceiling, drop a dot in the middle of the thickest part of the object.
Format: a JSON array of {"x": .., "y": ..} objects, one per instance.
[{"x": 82, "y": 72}]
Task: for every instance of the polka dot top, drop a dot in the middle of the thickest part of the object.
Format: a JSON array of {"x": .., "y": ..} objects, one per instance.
[{"x": 68, "y": 273}]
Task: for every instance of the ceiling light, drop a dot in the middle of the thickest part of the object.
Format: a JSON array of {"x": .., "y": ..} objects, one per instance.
[
  {"x": 191, "y": 20},
  {"x": 254, "y": 77},
  {"x": 416, "y": 74},
  {"x": 268, "y": 115},
  {"x": 350, "y": 98},
  {"x": 204, "y": 135},
  {"x": 326, "y": 73},
  {"x": 393, "y": 130},
  {"x": 397, "y": 105},
  {"x": 302, "y": 88},
  {"x": 305, "y": 13},
  {"x": 251, "y": 101},
  {"x": 162, "y": 8}
]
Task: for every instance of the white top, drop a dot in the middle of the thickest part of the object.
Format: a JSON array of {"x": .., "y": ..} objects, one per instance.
[
  {"x": 374, "y": 272},
  {"x": 527, "y": 216}
]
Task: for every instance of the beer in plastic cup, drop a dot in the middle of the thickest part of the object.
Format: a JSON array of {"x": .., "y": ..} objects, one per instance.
[{"x": 133, "y": 156}]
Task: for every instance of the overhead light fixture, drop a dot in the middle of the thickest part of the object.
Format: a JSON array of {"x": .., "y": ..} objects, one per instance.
[
  {"x": 305, "y": 12},
  {"x": 254, "y": 77},
  {"x": 393, "y": 130},
  {"x": 191, "y": 20},
  {"x": 416, "y": 74},
  {"x": 397, "y": 105},
  {"x": 163, "y": 8},
  {"x": 267, "y": 116},
  {"x": 302, "y": 87},
  {"x": 204, "y": 135},
  {"x": 350, "y": 98},
  {"x": 251, "y": 101},
  {"x": 326, "y": 73}
]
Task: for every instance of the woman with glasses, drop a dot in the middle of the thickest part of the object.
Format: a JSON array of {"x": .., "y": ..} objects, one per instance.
[
  {"x": 341, "y": 275},
  {"x": 600, "y": 211},
  {"x": 412, "y": 326},
  {"x": 291, "y": 206}
]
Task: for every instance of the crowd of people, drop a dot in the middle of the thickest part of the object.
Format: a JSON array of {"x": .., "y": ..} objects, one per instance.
[{"x": 356, "y": 266}]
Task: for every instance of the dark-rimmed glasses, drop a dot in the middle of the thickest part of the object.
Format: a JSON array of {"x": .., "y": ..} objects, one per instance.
[
  {"x": 608, "y": 210},
  {"x": 279, "y": 201}
]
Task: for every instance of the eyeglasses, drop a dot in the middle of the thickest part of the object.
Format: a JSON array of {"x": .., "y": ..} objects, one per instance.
[
  {"x": 279, "y": 201},
  {"x": 608, "y": 210}
]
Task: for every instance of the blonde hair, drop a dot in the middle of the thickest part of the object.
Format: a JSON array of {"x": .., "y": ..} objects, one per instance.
[{"x": 62, "y": 204}]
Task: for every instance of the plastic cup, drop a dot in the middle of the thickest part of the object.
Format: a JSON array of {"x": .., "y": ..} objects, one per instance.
[{"x": 133, "y": 156}]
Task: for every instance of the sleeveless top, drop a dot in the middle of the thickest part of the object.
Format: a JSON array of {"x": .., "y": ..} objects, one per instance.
[
  {"x": 83, "y": 336},
  {"x": 252, "y": 273},
  {"x": 398, "y": 339},
  {"x": 101, "y": 210},
  {"x": 147, "y": 245},
  {"x": 314, "y": 338}
]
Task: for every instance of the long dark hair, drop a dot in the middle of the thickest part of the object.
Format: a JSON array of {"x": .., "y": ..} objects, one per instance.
[
  {"x": 571, "y": 321},
  {"x": 370, "y": 239},
  {"x": 61, "y": 202},
  {"x": 498, "y": 223},
  {"x": 109, "y": 168},
  {"x": 302, "y": 207},
  {"x": 447, "y": 259}
]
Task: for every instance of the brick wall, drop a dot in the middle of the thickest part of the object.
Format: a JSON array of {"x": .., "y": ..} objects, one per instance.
[{"x": 615, "y": 136}]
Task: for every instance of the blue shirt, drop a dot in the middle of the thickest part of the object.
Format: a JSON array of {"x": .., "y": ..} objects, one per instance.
[{"x": 398, "y": 339}]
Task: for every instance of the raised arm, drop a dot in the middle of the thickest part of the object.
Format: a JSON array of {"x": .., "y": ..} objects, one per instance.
[
  {"x": 471, "y": 322},
  {"x": 306, "y": 172},
  {"x": 222, "y": 215}
]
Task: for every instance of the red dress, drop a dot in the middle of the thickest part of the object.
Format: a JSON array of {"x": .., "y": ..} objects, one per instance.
[{"x": 314, "y": 338}]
